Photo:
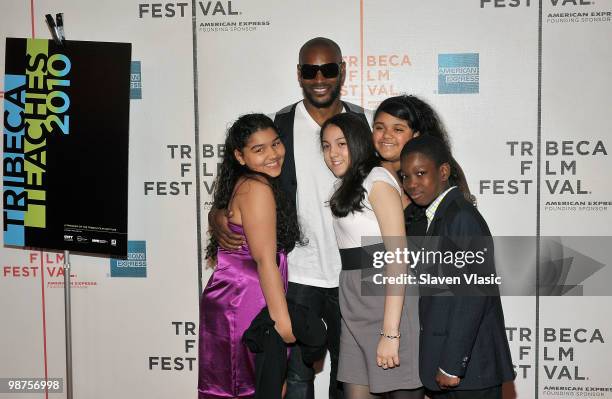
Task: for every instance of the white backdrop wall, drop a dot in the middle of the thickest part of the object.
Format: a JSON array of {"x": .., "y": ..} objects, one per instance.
[{"x": 537, "y": 72}]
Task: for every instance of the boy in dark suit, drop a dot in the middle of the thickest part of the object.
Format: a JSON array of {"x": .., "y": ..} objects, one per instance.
[{"x": 464, "y": 352}]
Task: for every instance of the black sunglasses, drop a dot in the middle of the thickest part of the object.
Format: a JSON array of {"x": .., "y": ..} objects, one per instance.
[{"x": 309, "y": 71}]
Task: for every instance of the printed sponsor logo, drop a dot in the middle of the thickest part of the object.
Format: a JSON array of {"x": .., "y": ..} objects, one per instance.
[
  {"x": 458, "y": 73},
  {"x": 51, "y": 264},
  {"x": 135, "y": 81},
  {"x": 378, "y": 80},
  {"x": 565, "y": 11},
  {"x": 136, "y": 263},
  {"x": 68, "y": 238},
  {"x": 213, "y": 16},
  {"x": 182, "y": 154},
  {"x": 579, "y": 17},
  {"x": 564, "y": 186},
  {"x": 574, "y": 11},
  {"x": 184, "y": 358},
  {"x": 183, "y": 9},
  {"x": 98, "y": 241},
  {"x": 504, "y": 3},
  {"x": 527, "y": 3},
  {"x": 571, "y": 2}
]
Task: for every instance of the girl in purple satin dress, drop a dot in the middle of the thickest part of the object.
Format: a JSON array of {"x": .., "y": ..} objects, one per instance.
[{"x": 255, "y": 275}]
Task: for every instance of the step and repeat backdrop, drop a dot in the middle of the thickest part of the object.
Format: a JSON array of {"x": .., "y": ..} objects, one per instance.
[{"x": 523, "y": 87}]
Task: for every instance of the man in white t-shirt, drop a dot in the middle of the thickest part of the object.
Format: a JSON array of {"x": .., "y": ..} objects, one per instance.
[{"x": 314, "y": 268}]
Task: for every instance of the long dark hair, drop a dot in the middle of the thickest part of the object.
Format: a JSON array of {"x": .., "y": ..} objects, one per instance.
[
  {"x": 349, "y": 196},
  {"x": 422, "y": 118},
  {"x": 230, "y": 171}
]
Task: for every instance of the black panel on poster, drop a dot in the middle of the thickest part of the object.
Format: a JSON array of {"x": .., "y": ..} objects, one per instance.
[{"x": 86, "y": 179}]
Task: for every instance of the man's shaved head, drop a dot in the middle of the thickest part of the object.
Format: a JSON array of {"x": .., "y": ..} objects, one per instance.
[{"x": 320, "y": 42}]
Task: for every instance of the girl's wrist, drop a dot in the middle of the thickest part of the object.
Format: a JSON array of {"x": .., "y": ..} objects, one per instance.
[{"x": 390, "y": 334}]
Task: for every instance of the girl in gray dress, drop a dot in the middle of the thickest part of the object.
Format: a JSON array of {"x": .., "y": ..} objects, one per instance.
[{"x": 379, "y": 338}]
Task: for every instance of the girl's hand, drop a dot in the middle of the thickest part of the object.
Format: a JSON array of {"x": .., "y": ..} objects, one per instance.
[
  {"x": 387, "y": 353},
  {"x": 285, "y": 332}
]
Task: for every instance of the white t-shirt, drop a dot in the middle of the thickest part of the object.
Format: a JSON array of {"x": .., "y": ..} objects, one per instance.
[
  {"x": 351, "y": 229},
  {"x": 317, "y": 263}
]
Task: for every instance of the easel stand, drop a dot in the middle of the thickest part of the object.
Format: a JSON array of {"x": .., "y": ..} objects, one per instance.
[
  {"x": 68, "y": 325},
  {"x": 56, "y": 28}
]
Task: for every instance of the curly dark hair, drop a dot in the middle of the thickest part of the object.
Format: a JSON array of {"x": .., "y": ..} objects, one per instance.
[
  {"x": 422, "y": 118},
  {"x": 349, "y": 196},
  {"x": 230, "y": 171}
]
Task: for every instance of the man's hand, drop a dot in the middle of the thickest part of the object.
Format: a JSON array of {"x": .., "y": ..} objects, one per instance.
[
  {"x": 217, "y": 225},
  {"x": 445, "y": 381}
]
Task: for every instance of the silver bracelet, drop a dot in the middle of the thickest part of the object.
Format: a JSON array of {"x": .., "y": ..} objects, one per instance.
[{"x": 390, "y": 336}]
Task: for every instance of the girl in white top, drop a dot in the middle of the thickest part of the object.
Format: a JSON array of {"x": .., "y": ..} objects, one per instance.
[{"x": 367, "y": 202}]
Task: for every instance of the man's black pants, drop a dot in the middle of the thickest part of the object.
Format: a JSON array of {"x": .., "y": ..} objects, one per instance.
[{"x": 324, "y": 303}]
